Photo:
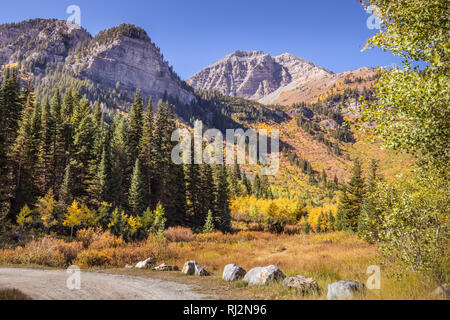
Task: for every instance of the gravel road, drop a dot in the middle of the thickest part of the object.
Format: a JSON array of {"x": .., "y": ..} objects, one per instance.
[{"x": 52, "y": 285}]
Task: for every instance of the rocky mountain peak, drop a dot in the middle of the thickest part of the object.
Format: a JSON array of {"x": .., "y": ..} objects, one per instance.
[{"x": 255, "y": 75}]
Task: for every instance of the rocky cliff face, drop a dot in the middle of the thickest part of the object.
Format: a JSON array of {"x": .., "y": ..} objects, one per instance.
[
  {"x": 255, "y": 75},
  {"x": 122, "y": 58},
  {"x": 125, "y": 57}
]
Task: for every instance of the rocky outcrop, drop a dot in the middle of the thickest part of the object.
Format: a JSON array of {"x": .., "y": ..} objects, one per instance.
[
  {"x": 192, "y": 268},
  {"x": 263, "y": 275},
  {"x": 146, "y": 264},
  {"x": 126, "y": 58},
  {"x": 344, "y": 290},
  {"x": 233, "y": 272},
  {"x": 255, "y": 75},
  {"x": 302, "y": 284},
  {"x": 38, "y": 43}
]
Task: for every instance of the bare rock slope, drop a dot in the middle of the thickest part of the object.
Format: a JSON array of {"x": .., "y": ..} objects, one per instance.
[{"x": 255, "y": 75}]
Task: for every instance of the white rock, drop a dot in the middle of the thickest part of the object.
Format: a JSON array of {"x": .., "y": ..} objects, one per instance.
[
  {"x": 128, "y": 266},
  {"x": 166, "y": 267},
  {"x": 146, "y": 264},
  {"x": 192, "y": 268},
  {"x": 232, "y": 272},
  {"x": 263, "y": 275},
  {"x": 343, "y": 290},
  {"x": 301, "y": 283}
]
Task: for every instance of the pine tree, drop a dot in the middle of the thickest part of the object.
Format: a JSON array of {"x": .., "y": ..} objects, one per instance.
[
  {"x": 84, "y": 136},
  {"x": 145, "y": 152},
  {"x": 136, "y": 198},
  {"x": 209, "y": 224},
  {"x": 223, "y": 218},
  {"x": 65, "y": 194},
  {"x": 319, "y": 227},
  {"x": 25, "y": 154},
  {"x": 58, "y": 163},
  {"x": 194, "y": 204},
  {"x": 46, "y": 148},
  {"x": 349, "y": 209},
  {"x": 135, "y": 129},
  {"x": 207, "y": 190},
  {"x": 370, "y": 219},
  {"x": 119, "y": 162}
]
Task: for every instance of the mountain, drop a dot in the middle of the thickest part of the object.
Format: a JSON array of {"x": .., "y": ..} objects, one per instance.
[
  {"x": 111, "y": 65},
  {"x": 255, "y": 75}
]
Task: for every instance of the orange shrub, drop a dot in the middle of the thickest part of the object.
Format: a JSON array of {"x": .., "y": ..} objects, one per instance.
[
  {"x": 87, "y": 236},
  {"x": 179, "y": 234},
  {"x": 46, "y": 251},
  {"x": 107, "y": 240}
]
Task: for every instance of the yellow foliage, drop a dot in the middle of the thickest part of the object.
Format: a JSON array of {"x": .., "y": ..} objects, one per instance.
[
  {"x": 46, "y": 207},
  {"x": 249, "y": 208},
  {"x": 24, "y": 216},
  {"x": 314, "y": 213}
]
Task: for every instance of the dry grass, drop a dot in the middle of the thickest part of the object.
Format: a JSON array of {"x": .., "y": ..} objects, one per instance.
[
  {"x": 325, "y": 257},
  {"x": 178, "y": 234}
]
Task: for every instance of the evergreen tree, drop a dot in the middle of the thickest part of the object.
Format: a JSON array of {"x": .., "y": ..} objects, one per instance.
[
  {"x": 135, "y": 129},
  {"x": 25, "y": 154},
  {"x": 136, "y": 198},
  {"x": 319, "y": 227},
  {"x": 223, "y": 218},
  {"x": 209, "y": 224},
  {"x": 145, "y": 151},
  {"x": 46, "y": 154},
  {"x": 84, "y": 136},
  {"x": 370, "y": 218},
  {"x": 65, "y": 194},
  {"x": 349, "y": 209}
]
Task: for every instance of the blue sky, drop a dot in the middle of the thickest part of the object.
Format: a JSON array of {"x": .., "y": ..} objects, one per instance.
[{"x": 193, "y": 34}]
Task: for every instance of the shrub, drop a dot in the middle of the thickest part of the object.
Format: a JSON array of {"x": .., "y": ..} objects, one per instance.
[
  {"x": 93, "y": 258},
  {"x": 87, "y": 236},
  {"x": 179, "y": 234},
  {"x": 107, "y": 240},
  {"x": 46, "y": 251}
]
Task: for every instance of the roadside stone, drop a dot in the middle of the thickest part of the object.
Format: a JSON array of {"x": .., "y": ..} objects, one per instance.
[
  {"x": 166, "y": 267},
  {"x": 263, "y": 275},
  {"x": 192, "y": 268},
  {"x": 146, "y": 264},
  {"x": 303, "y": 284},
  {"x": 343, "y": 290},
  {"x": 233, "y": 272}
]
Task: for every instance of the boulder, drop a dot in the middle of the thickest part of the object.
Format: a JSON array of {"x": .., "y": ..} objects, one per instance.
[
  {"x": 301, "y": 283},
  {"x": 443, "y": 291},
  {"x": 263, "y": 275},
  {"x": 128, "y": 266},
  {"x": 192, "y": 268},
  {"x": 232, "y": 272},
  {"x": 343, "y": 290},
  {"x": 146, "y": 264},
  {"x": 166, "y": 267}
]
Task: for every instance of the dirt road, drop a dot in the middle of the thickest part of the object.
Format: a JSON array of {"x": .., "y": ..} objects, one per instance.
[{"x": 52, "y": 285}]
